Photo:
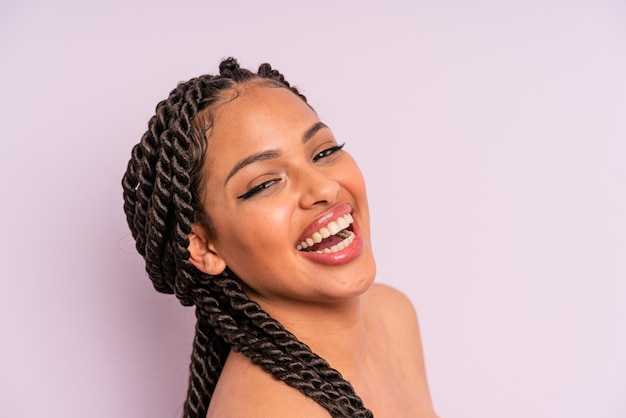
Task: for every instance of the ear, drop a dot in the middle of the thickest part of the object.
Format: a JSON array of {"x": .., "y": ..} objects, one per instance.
[{"x": 202, "y": 253}]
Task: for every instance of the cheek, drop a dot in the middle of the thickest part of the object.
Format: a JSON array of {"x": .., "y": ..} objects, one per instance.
[
  {"x": 255, "y": 230},
  {"x": 354, "y": 181},
  {"x": 254, "y": 243}
]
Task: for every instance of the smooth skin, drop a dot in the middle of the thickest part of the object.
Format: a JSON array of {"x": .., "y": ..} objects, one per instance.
[{"x": 294, "y": 173}]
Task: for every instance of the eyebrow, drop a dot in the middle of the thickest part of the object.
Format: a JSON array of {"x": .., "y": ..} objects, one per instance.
[
  {"x": 310, "y": 133},
  {"x": 268, "y": 155},
  {"x": 261, "y": 156}
]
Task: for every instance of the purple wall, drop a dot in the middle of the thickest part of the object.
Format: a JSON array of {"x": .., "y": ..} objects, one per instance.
[{"x": 492, "y": 138}]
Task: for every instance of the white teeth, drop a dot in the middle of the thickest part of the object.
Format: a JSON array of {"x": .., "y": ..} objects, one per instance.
[
  {"x": 338, "y": 247},
  {"x": 333, "y": 227},
  {"x": 338, "y": 228}
]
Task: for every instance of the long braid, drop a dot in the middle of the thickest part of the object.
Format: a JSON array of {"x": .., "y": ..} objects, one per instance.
[
  {"x": 161, "y": 201},
  {"x": 207, "y": 360},
  {"x": 323, "y": 383}
]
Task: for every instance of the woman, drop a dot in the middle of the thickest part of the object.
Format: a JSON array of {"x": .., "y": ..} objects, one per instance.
[{"x": 243, "y": 204}]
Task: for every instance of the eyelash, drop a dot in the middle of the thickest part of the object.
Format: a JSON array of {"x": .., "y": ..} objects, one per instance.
[
  {"x": 260, "y": 187},
  {"x": 327, "y": 152},
  {"x": 257, "y": 189}
]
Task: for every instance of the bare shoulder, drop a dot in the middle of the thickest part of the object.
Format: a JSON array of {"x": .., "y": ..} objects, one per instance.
[
  {"x": 246, "y": 390},
  {"x": 393, "y": 311},
  {"x": 391, "y": 305}
]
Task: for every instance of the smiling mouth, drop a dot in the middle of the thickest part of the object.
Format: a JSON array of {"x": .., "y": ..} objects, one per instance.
[{"x": 331, "y": 238}]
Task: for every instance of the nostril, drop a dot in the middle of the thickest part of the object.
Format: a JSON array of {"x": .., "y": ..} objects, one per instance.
[
  {"x": 318, "y": 190},
  {"x": 325, "y": 194}
]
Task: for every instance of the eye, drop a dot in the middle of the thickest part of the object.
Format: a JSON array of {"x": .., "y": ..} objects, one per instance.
[
  {"x": 257, "y": 189},
  {"x": 327, "y": 152}
]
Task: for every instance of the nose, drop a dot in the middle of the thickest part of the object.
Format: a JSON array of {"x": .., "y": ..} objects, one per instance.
[{"x": 317, "y": 187}]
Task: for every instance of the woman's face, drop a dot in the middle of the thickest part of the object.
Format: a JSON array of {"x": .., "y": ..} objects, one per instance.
[{"x": 277, "y": 178}]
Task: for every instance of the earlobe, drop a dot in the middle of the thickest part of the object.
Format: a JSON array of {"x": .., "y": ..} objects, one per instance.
[{"x": 203, "y": 254}]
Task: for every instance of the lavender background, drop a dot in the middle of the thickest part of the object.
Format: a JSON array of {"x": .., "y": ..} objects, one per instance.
[{"x": 492, "y": 136}]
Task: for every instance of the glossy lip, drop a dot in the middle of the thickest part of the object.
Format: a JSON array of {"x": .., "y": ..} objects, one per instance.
[
  {"x": 340, "y": 257},
  {"x": 324, "y": 219}
]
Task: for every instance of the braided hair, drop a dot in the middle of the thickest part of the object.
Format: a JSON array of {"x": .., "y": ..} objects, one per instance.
[{"x": 162, "y": 194}]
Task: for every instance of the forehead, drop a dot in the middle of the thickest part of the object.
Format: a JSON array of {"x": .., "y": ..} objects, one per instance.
[
  {"x": 255, "y": 108},
  {"x": 258, "y": 118}
]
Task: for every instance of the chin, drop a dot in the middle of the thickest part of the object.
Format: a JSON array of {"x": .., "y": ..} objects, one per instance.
[{"x": 358, "y": 283}]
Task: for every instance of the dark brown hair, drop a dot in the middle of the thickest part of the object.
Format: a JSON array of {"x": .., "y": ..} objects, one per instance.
[{"x": 162, "y": 194}]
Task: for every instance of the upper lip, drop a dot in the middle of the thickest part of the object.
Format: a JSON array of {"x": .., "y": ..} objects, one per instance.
[{"x": 324, "y": 219}]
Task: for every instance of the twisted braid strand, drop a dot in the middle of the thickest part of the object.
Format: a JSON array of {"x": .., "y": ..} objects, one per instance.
[{"x": 159, "y": 201}]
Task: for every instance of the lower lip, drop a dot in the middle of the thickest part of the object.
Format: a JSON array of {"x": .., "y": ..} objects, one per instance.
[{"x": 340, "y": 257}]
